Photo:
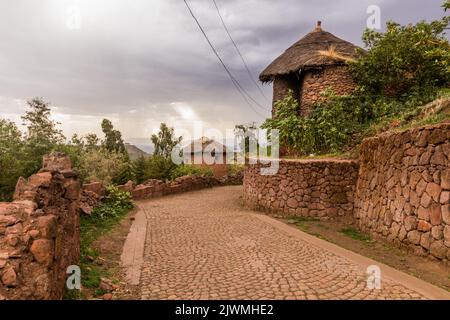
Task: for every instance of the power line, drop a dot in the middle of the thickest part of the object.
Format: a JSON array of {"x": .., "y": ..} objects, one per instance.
[
  {"x": 239, "y": 51},
  {"x": 233, "y": 79}
]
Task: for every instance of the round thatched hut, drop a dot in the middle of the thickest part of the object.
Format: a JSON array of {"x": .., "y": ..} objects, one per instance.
[{"x": 316, "y": 62}]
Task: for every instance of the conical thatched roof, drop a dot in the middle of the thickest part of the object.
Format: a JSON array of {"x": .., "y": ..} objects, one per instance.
[
  {"x": 199, "y": 146},
  {"x": 318, "y": 48}
]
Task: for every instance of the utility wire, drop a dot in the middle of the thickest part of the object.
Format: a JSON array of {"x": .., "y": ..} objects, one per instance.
[
  {"x": 239, "y": 51},
  {"x": 233, "y": 79}
]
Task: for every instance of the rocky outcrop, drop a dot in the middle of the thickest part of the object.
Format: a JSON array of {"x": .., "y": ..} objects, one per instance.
[
  {"x": 39, "y": 232},
  {"x": 315, "y": 188},
  {"x": 403, "y": 192}
]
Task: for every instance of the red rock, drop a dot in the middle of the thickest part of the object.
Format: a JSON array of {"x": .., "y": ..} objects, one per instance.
[
  {"x": 42, "y": 179},
  {"x": 43, "y": 251},
  {"x": 9, "y": 277},
  {"x": 96, "y": 187},
  {"x": 438, "y": 249},
  {"x": 434, "y": 190},
  {"x": 72, "y": 189},
  {"x": 423, "y": 214},
  {"x": 445, "y": 179},
  {"x": 56, "y": 161},
  {"x": 445, "y": 210},
  {"x": 107, "y": 296},
  {"x": 423, "y": 226},
  {"x": 47, "y": 226},
  {"x": 445, "y": 197},
  {"x": 420, "y": 188},
  {"x": 435, "y": 214}
]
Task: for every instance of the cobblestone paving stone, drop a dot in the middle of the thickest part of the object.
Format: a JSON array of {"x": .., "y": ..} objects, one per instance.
[{"x": 204, "y": 245}]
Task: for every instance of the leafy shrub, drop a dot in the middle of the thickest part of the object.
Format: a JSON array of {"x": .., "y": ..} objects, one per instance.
[
  {"x": 160, "y": 168},
  {"x": 190, "y": 170},
  {"x": 12, "y": 158},
  {"x": 113, "y": 205},
  {"x": 404, "y": 58},
  {"x": 101, "y": 165},
  {"x": 235, "y": 168}
]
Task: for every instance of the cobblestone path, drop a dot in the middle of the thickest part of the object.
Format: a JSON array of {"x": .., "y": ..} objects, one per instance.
[{"x": 205, "y": 245}]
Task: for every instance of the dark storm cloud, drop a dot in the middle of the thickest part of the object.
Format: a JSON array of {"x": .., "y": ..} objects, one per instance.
[{"x": 141, "y": 62}]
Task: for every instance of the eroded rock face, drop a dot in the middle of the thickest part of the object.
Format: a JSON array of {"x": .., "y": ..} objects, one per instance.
[
  {"x": 39, "y": 232},
  {"x": 314, "y": 188},
  {"x": 407, "y": 175}
]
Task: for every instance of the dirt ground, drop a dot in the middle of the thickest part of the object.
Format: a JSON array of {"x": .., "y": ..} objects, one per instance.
[
  {"x": 109, "y": 247},
  {"x": 343, "y": 233}
]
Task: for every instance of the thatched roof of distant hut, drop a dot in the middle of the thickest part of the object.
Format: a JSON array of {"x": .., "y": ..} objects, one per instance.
[
  {"x": 317, "y": 49},
  {"x": 199, "y": 146}
]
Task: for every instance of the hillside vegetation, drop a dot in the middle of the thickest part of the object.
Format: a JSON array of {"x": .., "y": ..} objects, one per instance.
[{"x": 403, "y": 70}]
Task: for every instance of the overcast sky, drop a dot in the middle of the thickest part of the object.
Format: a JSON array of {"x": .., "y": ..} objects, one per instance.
[{"x": 142, "y": 62}]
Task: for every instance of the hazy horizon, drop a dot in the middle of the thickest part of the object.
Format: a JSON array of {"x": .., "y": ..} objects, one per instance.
[{"x": 141, "y": 63}]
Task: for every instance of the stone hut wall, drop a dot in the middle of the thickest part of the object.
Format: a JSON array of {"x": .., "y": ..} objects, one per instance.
[
  {"x": 281, "y": 87},
  {"x": 403, "y": 192},
  {"x": 39, "y": 233},
  {"x": 313, "y": 82},
  {"x": 308, "y": 86},
  {"x": 315, "y": 188}
]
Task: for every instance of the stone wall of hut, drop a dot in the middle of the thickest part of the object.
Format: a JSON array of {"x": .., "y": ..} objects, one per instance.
[
  {"x": 313, "y": 82},
  {"x": 307, "y": 89}
]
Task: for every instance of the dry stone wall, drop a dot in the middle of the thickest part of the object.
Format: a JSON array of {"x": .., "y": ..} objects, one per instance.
[
  {"x": 337, "y": 78},
  {"x": 403, "y": 192},
  {"x": 314, "y": 188},
  {"x": 39, "y": 232}
]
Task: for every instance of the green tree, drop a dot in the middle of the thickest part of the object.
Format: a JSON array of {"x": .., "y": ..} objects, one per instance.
[
  {"x": 42, "y": 133},
  {"x": 11, "y": 157},
  {"x": 404, "y": 59},
  {"x": 113, "y": 138},
  {"x": 140, "y": 169},
  {"x": 164, "y": 141}
]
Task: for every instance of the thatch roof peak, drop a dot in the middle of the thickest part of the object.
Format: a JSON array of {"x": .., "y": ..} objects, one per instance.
[{"x": 308, "y": 53}]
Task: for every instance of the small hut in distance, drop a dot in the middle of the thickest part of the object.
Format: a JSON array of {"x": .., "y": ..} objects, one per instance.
[
  {"x": 196, "y": 153},
  {"x": 316, "y": 62}
]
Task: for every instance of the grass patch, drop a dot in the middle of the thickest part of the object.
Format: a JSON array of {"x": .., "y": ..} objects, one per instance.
[
  {"x": 355, "y": 234},
  {"x": 102, "y": 220}
]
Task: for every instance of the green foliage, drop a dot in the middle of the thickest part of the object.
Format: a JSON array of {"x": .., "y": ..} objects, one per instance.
[
  {"x": 114, "y": 204},
  {"x": 164, "y": 141},
  {"x": 159, "y": 167},
  {"x": 235, "y": 168},
  {"x": 404, "y": 69},
  {"x": 113, "y": 138},
  {"x": 140, "y": 169},
  {"x": 12, "y": 158},
  {"x": 446, "y": 5},
  {"x": 404, "y": 58},
  {"x": 355, "y": 234},
  {"x": 42, "y": 134},
  {"x": 21, "y": 155},
  {"x": 103, "y": 218},
  {"x": 191, "y": 170},
  {"x": 103, "y": 166}
]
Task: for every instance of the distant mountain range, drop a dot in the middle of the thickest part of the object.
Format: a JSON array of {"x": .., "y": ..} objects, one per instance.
[{"x": 135, "y": 152}]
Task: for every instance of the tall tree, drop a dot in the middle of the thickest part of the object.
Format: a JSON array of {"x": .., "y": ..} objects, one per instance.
[
  {"x": 164, "y": 141},
  {"x": 11, "y": 157},
  {"x": 42, "y": 133},
  {"x": 113, "y": 138}
]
